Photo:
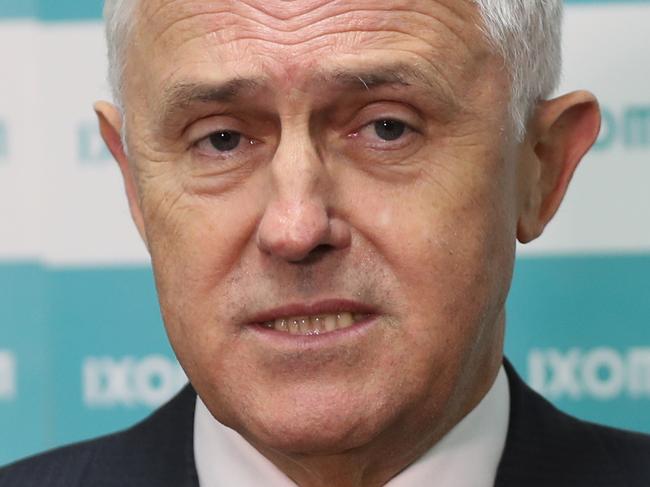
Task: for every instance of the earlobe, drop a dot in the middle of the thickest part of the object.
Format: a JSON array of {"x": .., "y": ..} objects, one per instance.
[
  {"x": 110, "y": 127},
  {"x": 562, "y": 131}
]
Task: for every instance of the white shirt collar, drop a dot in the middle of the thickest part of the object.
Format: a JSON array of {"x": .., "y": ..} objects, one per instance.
[{"x": 467, "y": 456}]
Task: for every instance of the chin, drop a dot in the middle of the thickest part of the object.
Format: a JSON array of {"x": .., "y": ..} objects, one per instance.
[
  {"x": 313, "y": 439},
  {"x": 327, "y": 430}
]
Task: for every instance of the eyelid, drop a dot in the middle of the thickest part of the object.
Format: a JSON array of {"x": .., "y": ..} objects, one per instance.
[
  {"x": 245, "y": 143},
  {"x": 370, "y": 127},
  {"x": 205, "y": 127},
  {"x": 368, "y": 138},
  {"x": 387, "y": 111}
]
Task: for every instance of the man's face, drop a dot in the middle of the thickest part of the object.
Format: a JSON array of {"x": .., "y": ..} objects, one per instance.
[{"x": 295, "y": 161}]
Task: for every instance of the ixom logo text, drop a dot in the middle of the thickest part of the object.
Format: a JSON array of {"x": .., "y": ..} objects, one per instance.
[
  {"x": 90, "y": 146},
  {"x": 600, "y": 373},
  {"x": 628, "y": 126},
  {"x": 129, "y": 381},
  {"x": 7, "y": 376}
]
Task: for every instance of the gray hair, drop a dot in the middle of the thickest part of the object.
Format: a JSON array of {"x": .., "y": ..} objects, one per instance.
[
  {"x": 526, "y": 34},
  {"x": 118, "y": 17}
]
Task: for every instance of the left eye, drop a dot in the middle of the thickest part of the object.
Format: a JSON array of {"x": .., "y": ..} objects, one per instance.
[
  {"x": 224, "y": 141},
  {"x": 389, "y": 129}
]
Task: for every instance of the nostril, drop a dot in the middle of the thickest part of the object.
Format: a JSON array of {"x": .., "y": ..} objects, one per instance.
[
  {"x": 322, "y": 248},
  {"x": 316, "y": 254}
]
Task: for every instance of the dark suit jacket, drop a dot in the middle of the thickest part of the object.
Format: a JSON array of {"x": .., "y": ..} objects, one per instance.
[{"x": 544, "y": 447}]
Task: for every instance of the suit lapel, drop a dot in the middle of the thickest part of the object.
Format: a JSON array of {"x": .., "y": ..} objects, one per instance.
[
  {"x": 164, "y": 453},
  {"x": 546, "y": 447}
]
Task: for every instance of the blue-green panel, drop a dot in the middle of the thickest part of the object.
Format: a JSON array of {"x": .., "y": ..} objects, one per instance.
[
  {"x": 52, "y": 10},
  {"x": 584, "y": 303},
  {"x": 61, "y": 10},
  {"x": 25, "y": 421},
  {"x": 100, "y": 313},
  {"x": 600, "y": 2},
  {"x": 17, "y": 8}
]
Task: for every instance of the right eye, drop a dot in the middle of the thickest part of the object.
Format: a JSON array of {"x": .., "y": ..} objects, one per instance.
[
  {"x": 219, "y": 145},
  {"x": 220, "y": 141},
  {"x": 390, "y": 129}
]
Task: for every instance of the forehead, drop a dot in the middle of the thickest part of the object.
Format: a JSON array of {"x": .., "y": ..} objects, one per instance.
[{"x": 288, "y": 40}]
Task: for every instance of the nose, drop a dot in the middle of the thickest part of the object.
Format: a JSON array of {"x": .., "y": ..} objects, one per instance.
[{"x": 298, "y": 219}]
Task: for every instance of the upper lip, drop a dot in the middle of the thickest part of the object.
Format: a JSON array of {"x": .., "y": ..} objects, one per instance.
[{"x": 328, "y": 306}]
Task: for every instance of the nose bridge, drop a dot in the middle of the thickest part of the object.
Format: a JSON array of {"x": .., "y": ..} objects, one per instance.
[
  {"x": 296, "y": 167},
  {"x": 296, "y": 220}
]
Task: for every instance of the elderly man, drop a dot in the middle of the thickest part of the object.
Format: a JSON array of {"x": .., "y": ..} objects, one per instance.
[{"x": 331, "y": 192}]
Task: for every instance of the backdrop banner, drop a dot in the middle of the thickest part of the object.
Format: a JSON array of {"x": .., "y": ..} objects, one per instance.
[{"x": 82, "y": 346}]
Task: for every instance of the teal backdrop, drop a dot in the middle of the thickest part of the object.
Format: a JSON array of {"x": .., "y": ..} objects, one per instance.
[{"x": 82, "y": 346}]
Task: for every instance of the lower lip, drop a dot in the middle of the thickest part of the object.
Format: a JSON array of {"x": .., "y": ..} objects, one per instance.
[{"x": 324, "y": 339}]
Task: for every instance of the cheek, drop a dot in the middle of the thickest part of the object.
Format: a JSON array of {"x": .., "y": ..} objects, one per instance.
[
  {"x": 451, "y": 252},
  {"x": 195, "y": 244},
  {"x": 453, "y": 276}
]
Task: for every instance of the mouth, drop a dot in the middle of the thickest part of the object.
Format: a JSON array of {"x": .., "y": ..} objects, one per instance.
[
  {"x": 315, "y": 325},
  {"x": 315, "y": 319}
]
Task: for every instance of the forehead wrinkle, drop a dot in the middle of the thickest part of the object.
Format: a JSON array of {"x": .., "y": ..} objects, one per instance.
[
  {"x": 309, "y": 19},
  {"x": 462, "y": 10},
  {"x": 286, "y": 13},
  {"x": 352, "y": 35},
  {"x": 359, "y": 23},
  {"x": 194, "y": 9},
  {"x": 306, "y": 14}
]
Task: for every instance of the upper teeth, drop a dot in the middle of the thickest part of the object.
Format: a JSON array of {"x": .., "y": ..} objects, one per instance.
[{"x": 314, "y": 325}]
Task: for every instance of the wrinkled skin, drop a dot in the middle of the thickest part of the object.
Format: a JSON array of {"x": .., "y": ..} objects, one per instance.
[{"x": 314, "y": 204}]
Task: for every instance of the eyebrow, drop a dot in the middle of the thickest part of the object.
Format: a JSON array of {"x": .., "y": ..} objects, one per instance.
[
  {"x": 400, "y": 74},
  {"x": 395, "y": 75},
  {"x": 183, "y": 95}
]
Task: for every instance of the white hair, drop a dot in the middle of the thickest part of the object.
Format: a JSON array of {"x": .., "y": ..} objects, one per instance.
[
  {"x": 525, "y": 33},
  {"x": 118, "y": 17}
]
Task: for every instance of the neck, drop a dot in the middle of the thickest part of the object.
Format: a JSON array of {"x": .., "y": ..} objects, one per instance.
[{"x": 370, "y": 465}]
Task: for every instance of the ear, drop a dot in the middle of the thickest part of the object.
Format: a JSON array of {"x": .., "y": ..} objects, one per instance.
[
  {"x": 110, "y": 127},
  {"x": 560, "y": 133}
]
